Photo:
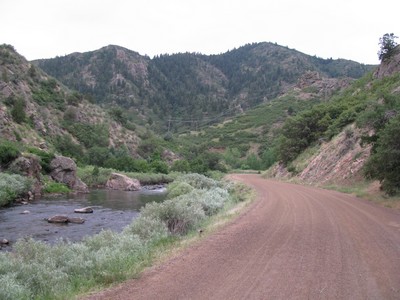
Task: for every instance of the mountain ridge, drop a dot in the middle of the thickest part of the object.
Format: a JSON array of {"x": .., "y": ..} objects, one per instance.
[{"x": 190, "y": 85}]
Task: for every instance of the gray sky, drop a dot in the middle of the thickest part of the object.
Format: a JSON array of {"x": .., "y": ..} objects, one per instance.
[{"x": 347, "y": 29}]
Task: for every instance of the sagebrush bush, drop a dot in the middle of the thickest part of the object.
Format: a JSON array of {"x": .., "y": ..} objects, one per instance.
[
  {"x": 12, "y": 187},
  {"x": 179, "y": 214},
  {"x": 211, "y": 200},
  {"x": 36, "y": 270},
  {"x": 147, "y": 228},
  {"x": 12, "y": 288},
  {"x": 178, "y": 188},
  {"x": 199, "y": 181}
]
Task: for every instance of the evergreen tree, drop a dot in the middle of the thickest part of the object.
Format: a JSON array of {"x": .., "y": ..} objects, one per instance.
[
  {"x": 384, "y": 163},
  {"x": 387, "y": 44}
]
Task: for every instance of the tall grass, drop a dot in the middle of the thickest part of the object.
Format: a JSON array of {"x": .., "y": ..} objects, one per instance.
[{"x": 36, "y": 270}]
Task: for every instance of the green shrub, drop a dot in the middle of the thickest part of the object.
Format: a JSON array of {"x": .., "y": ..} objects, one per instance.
[
  {"x": 147, "y": 228},
  {"x": 56, "y": 188},
  {"x": 18, "y": 111},
  {"x": 94, "y": 178},
  {"x": 12, "y": 288},
  {"x": 211, "y": 200},
  {"x": 199, "y": 181},
  {"x": 36, "y": 270},
  {"x": 12, "y": 187},
  {"x": 253, "y": 162},
  {"x": 179, "y": 215},
  {"x": 90, "y": 135},
  {"x": 48, "y": 94},
  {"x": 159, "y": 166},
  {"x": 181, "y": 165},
  {"x": 127, "y": 163},
  {"x": 97, "y": 156},
  {"x": 8, "y": 152},
  {"x": 45, "y": 158},
  {"x": 384, "y": 163},
  {"x": 178, "y": 188},
  {"x": 68, "y": 147}
]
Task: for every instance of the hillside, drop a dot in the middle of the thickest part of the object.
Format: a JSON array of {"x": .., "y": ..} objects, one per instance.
[
  {"x": 352, "y": 138},
  {"x": 231, "y": 121},
  {"x": 190, "y": 86},
  {"x": 37, "y": 110},
  {"x": 248, "y": 139}
]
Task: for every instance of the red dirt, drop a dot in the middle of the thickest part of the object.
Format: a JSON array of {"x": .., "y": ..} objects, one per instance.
[{"x": 293, "y": 242}]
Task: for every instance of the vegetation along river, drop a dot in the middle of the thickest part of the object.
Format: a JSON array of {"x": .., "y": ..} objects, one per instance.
[{"x": 111, "y": 210}]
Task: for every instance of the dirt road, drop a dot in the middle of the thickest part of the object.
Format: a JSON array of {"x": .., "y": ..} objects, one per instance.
[{"x": 293, "y": 242}]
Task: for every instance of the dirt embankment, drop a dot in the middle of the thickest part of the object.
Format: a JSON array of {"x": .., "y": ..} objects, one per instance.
[{"x": 293, "y": 242}]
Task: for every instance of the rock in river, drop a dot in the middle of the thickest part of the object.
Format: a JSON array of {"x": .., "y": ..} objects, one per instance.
[
  {"x": 58, "y": 219},
  {"x": 121, "y": 182},
  {"x": 64, "y": 220},
  {"x": 84, "y": 210},
  {"x": 76, "y": 220}
]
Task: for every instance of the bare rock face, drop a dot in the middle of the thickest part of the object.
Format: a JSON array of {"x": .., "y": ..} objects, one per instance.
[
  {"x": 64, "y": 171},
  {"x": 390, "y": 65},
  {"x": 338, "y": 161},
  {"x": 313, "y": 84},
  {"x": 121, "y": 182}
]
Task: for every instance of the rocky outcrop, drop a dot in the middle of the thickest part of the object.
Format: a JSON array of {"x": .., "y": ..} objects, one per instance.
[
  {"x": 122, "y": 182},
  {"x": 338, "y": 161},
  {"x": 312, "y": 84},
  {"x": 63, "y": 169},
  {"x": 390, "y": 65}
]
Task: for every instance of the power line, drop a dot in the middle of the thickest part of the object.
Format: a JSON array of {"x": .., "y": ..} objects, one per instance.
[{"x": 208, "y": 120}]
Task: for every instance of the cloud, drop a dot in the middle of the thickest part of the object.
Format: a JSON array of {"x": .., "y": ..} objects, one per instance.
[{"x": 340, "y": 29}]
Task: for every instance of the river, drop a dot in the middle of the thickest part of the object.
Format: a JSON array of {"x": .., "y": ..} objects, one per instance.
[{"x": 112, "y": 210}]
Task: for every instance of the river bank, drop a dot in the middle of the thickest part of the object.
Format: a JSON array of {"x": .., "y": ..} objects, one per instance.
[{"x": 111, "y": 210}]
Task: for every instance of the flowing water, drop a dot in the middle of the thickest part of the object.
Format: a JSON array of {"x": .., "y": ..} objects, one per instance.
[{"x": 112, "y": 210}]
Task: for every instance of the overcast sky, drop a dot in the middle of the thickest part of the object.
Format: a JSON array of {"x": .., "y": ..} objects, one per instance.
[{"x": 347, "y": 29}]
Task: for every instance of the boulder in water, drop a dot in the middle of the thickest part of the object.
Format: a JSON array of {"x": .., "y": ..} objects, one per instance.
[
  {"x": 76, "y": 220},
  {"x": 122, "y": 182},
  {"x": 58, "y": 219},
  {"x": 84, "y": 210}
]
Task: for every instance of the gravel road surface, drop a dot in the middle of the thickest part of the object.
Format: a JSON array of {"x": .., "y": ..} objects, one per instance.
[{"x": 292, "y": 242}]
